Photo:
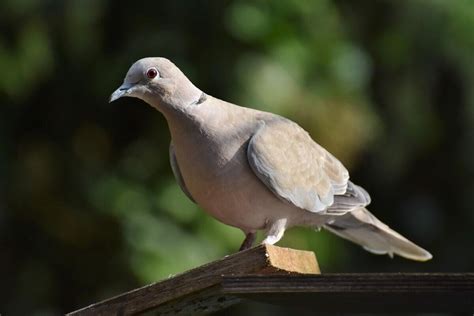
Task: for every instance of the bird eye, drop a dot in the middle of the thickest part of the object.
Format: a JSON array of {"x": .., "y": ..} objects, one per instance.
[{"x": 151, "y": 73}]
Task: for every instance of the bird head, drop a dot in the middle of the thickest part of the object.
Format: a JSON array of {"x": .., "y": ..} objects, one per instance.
[{"x": 158, "y": 82}]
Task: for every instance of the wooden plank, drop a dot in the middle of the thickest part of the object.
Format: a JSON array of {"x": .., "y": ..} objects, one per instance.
[
  {"x": 286, "y": 259},
  {"x": 206, "y": 301},
  {"x": 368, "y": 292},
  {"x": 200, "y": 285}
]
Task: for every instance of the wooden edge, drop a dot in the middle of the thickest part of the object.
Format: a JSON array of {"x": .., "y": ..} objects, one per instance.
[
  {"x": 359, "y": 293},
  {"x": 261, "y": 259},
  {"x": 290, "y": 260},
  {"x": 350, "y": 283}
]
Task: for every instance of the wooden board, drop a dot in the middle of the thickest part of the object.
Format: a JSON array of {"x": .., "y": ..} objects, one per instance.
[
  {"x": 290, "y": 278},
  {"x": 198, "y": 290},
  {"x": 359, "y": 293}
]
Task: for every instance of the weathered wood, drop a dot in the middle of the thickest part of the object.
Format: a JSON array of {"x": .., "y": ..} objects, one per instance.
[
  {"x": 286, "y": 259},
  {"x": 290, "y": 277},
  {"x": 367, "y": 292},
  {"x": 197, "y": 290}
]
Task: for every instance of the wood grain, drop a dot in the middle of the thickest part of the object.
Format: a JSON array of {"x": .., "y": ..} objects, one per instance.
[
  {"x": 290, "y": 278},
  {"x": 200, "y": 285},
  {"x": 368, "y": 292}
]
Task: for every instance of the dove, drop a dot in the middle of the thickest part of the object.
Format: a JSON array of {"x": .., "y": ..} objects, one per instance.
[{"x": 256, "y": 170}]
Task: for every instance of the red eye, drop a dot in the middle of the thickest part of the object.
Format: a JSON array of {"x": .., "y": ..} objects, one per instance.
[{"x": 151, "y": 73}]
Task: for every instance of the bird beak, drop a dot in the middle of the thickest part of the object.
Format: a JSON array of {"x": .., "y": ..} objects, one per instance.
[{"x": 123, "y": 90}]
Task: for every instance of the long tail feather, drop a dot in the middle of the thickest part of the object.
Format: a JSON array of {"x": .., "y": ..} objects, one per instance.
[{"x": 363, "y": 228}]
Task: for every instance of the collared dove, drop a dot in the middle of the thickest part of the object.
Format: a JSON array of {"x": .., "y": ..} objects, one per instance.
[{"x": 256, "y": 170}]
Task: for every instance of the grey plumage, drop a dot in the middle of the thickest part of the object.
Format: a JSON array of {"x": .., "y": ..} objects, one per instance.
[
  {"x": 256, "y": 170},
  {"x": 354, "y": 197},
  {"x": 362, "y": 227},
  {"x": 177, "y": 172}
]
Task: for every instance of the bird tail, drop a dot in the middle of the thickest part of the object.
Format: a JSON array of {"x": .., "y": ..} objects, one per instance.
[{"x": 363, "y": 228}]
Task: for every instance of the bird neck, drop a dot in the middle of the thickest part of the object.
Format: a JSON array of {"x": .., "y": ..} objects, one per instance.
[
  {"x": 175, "y": 97},
  {"x": 179, "y": 109}
]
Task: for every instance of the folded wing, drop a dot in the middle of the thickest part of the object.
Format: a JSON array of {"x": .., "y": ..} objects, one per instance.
[{"x": 298, "y": 170}]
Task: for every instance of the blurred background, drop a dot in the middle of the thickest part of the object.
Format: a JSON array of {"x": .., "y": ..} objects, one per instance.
[{"x": 89, "y": 207}]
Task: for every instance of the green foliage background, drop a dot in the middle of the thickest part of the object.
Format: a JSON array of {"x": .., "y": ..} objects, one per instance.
[{"x": 88, "y": 205}]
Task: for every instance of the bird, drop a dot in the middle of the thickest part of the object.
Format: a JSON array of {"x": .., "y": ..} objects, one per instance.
[{"x": 255, "y": 170}]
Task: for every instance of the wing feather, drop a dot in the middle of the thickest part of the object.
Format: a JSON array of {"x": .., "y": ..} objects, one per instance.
[
  {"x": 296, "y": 168},
  {"x": 177, "y": 173}
]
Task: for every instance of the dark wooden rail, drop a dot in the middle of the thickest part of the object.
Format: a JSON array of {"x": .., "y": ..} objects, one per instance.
[
  {"x": 364, "y": 292},
  {"x": 290, "y": 277}
]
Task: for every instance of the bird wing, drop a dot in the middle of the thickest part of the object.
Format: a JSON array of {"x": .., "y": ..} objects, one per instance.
[
  {"x": 177, "y": 173},
  {"x": 354, "y": 197},
  {"x": 298, "y": 170}
]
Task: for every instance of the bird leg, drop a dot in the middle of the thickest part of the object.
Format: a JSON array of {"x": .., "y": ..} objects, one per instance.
[
  {"x": 248, "y": 241},
  {"x": 275, "y": 232}
]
